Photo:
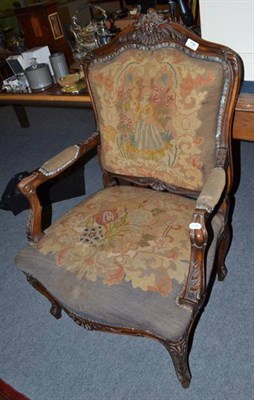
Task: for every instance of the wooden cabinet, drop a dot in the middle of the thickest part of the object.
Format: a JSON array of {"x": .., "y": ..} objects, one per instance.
[{"x": 41, "y": 26}]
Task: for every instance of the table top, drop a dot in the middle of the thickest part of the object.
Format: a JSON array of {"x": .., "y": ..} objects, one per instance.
[
  {"x": 245, "y": 102},
  {"x": 50, "y": 96}
]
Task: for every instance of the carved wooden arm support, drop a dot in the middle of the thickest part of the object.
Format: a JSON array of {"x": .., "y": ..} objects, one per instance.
[
  {"x": 50, "y": 169},
  {"x": 208, "y": 199}
]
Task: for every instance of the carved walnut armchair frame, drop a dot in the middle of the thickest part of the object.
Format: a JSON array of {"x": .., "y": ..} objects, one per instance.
[{"x": 149, "y": 31}]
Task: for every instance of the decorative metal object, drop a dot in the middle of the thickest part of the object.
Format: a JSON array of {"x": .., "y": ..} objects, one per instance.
[
  {"x": 16, "y": 84},
  {"x": 91, "y": 36}
]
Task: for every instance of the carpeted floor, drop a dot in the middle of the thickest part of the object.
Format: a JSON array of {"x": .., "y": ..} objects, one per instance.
[{"x": 56, "y": 360}]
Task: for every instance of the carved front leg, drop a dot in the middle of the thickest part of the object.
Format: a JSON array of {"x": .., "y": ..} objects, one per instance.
[{"x": 179, "y": 354}]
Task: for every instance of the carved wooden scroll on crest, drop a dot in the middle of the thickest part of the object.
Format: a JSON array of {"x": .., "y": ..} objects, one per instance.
[{"x": 150, "y": 29}]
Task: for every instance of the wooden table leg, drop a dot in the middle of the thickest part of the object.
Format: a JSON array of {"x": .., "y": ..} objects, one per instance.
[{"x": 21, "y": 114}]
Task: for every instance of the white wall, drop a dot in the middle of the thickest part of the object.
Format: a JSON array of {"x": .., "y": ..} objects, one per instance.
[{"x": 231, "y": 22}]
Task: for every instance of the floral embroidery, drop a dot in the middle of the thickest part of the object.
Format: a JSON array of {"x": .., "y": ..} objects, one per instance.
[
  {"x": 106, "y": 216},
  {"x": 140, "y": 236},
  {"x": 149, "y": 113}
]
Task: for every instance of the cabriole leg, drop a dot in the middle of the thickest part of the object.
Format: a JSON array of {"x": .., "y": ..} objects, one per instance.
[
  {"x": 179, "y": 354},
  {"x": 56, "y": 309}
]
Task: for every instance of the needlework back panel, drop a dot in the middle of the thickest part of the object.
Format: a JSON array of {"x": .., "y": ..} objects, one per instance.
[{"x": 157, "y": 114}]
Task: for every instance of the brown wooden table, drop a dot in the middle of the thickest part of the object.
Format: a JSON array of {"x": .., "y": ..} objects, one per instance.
[
  {"x": 53, "y": 97},
  {"x": 243, "y": 128},
  {"x": 244, "y": 117}
]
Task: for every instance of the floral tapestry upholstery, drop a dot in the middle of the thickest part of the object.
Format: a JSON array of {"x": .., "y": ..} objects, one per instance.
[
  {"x": 140, "y": 236},
  {"x": 136, "y": 282},
  {"x": 157, "y": 113}
]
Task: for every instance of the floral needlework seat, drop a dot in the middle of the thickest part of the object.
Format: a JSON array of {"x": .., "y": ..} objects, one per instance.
[{"x": 138, "y": 256}]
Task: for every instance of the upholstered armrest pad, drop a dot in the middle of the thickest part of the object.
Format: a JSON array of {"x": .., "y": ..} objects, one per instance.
[
  {"x": 60, "y": 161},
  {"x": 212, "y": 190}
]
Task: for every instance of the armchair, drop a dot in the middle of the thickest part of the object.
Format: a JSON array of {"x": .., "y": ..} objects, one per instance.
[{"x": 138, "y": 257}]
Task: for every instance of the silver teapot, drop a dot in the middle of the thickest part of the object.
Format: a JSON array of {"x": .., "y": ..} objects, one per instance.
[{"x": 91, "y": 36}]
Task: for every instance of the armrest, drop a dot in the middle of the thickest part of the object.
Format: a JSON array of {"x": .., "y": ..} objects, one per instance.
[
  {"x": 60, "y": 162},
  {"x": 50, "y": 169},
  {"x": 208, "y": 199},
  {"x": 212, "y": 190}
]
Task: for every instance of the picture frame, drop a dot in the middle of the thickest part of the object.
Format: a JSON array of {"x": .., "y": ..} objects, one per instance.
[{"x": 55, "y": 25}]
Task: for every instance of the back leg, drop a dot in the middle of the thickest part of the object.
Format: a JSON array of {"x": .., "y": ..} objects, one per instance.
[{"x": 222, "y": 252}]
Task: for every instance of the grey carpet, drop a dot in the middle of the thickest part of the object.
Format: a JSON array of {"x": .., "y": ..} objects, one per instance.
[{"x": 57, "y": 360}]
